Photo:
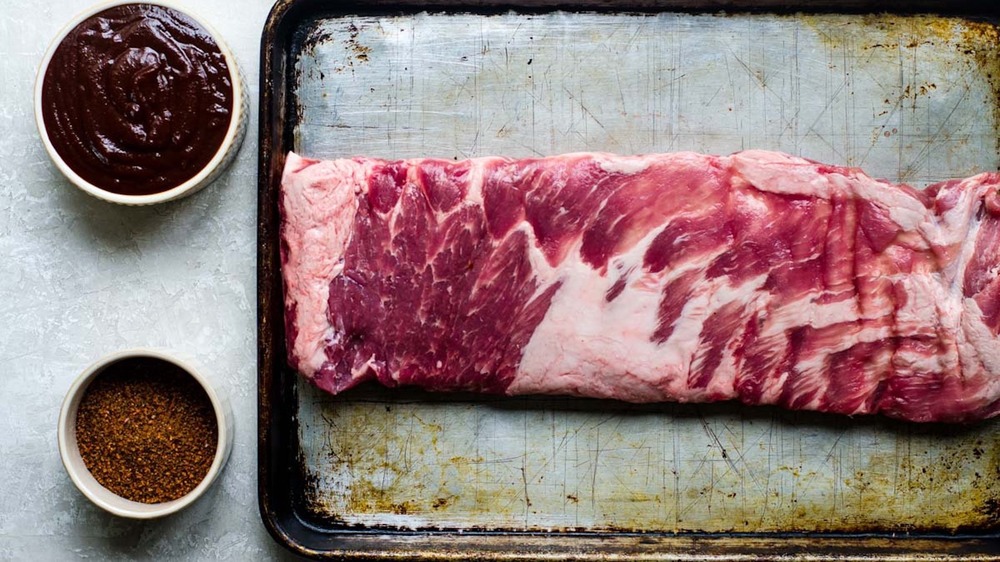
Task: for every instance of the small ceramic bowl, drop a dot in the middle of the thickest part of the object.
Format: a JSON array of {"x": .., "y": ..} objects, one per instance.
[
  {"x": 85, "y": 481},
  {"x": 225, "y": 153}
]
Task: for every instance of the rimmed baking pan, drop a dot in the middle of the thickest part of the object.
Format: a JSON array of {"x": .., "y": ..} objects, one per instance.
[{"x": 376, "y": 474}]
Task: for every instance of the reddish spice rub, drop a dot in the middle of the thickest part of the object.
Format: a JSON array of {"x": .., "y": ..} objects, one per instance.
[
  {"x": 146, "y": 430},
  {"x": 137, "y": 99}
]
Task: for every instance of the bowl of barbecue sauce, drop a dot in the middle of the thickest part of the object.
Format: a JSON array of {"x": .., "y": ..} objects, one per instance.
[
  {"x": 143, "y": 434},
  {"x": 140, "y": 103}
]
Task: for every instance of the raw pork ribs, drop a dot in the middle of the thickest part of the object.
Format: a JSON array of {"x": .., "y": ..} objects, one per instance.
[{"x": 682, "y": 277}]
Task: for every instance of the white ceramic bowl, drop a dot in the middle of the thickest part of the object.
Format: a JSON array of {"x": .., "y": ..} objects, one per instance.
[
  {"x": 218, "y": 164},
  {"x": 100, "y": 495}
]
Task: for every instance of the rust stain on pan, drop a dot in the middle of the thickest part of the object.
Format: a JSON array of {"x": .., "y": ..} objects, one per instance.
[
  {"x": 981, "y": 41},
  {"x": 407, "y": 470},
  {"x": 359, "y": 50},
  {"x": 976, "y": 44}
]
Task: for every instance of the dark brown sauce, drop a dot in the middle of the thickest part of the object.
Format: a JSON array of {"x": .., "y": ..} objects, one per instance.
[{"x": 137, "y": 99}]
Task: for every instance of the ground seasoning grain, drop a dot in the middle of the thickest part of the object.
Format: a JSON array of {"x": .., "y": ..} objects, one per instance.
[{"x": 146, "y": 430}]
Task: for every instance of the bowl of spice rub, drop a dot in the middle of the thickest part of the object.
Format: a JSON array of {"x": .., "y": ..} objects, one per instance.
[
  {"x": 140, "y": 103},
  {"x": 143, "y": 434}
]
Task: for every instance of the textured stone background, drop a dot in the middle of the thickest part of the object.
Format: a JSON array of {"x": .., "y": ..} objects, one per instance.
[{"x": 80, "y": 278}]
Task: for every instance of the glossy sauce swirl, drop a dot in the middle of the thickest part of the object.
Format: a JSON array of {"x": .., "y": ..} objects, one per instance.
[{"x": 137, "y": 99}]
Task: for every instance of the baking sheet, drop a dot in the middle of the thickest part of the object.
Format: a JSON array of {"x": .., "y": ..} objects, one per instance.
[
  {"x": 898, "y": 97},
  {"x": 908, "y": 98}
]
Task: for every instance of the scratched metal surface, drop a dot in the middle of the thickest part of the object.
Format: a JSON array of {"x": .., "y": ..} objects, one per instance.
[{"x": 909, "y": 99}]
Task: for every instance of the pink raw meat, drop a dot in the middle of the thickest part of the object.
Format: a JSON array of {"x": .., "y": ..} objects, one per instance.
[{"x": 681, "y": 277}]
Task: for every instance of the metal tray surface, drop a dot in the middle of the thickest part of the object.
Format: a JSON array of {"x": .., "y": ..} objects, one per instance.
[{"x": 377, "y": 473}]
